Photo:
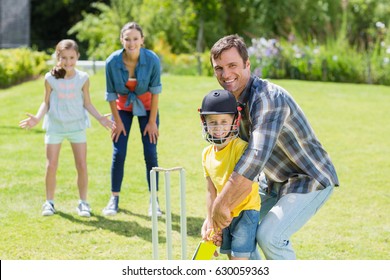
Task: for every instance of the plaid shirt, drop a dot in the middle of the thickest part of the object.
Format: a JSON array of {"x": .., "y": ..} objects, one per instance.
[{"x": 281, "y": 141}]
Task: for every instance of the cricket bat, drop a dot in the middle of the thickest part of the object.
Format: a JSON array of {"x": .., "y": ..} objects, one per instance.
[{"x": 204, "y": 251}]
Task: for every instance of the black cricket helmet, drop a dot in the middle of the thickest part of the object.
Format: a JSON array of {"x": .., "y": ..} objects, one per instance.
[{"x": 218, "y": 102}]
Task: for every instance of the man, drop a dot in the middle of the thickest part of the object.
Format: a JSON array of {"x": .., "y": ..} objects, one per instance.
[{"x": 282, "y": 144}]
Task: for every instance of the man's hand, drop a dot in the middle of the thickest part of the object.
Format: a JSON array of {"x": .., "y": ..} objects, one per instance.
[{"x": 221, "y": 215}]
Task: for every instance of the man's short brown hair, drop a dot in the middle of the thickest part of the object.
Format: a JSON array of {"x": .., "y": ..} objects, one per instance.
[{"x": 226, "y": 43}]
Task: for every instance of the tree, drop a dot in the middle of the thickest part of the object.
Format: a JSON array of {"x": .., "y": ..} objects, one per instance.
[
  {"x": 102, "y": 30},
  {"x": 168, "y": 20},
  {"x": 51, "y": 20},
  {"x": 367, "y": 22}
]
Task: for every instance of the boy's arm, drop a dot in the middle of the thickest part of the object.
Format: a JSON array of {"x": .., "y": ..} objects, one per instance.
[{"x": 210, "y": 198}]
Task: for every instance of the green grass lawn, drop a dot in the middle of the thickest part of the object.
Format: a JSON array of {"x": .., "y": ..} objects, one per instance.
[{"x": 352, "y": 122}]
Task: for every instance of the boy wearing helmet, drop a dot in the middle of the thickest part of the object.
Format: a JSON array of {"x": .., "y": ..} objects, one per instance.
[{"x": 220, "y": 120}]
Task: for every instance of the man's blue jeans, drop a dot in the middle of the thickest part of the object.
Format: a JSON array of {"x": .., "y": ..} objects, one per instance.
[
  {"x": 280, "y": 219},
  {"x": 120, "y": 150}
]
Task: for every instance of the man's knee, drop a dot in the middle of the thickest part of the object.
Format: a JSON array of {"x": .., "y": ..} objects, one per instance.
[{"x": 268, "y": 239}]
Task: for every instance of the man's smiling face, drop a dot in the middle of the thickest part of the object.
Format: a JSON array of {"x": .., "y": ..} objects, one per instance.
[{"x": 231, "y": 71}]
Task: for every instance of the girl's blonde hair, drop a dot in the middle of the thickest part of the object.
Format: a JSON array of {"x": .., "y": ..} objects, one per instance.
[{"x": 66, "y": 44}]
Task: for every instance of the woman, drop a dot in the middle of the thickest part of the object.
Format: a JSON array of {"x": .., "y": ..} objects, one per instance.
[{"x": 132, "y": 88}]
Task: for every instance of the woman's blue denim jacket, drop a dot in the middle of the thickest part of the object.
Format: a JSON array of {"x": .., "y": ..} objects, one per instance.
[{"x": 147, "y": 73}]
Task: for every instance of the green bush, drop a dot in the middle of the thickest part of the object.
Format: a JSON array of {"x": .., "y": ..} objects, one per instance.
[
  {"x": 380, "y": 71},
  {"x": 21, "y": 64},
  {"x": 181, "y": 64},
  {"x": 378, "y": 65},
  {"x": 186, "y": 64}
]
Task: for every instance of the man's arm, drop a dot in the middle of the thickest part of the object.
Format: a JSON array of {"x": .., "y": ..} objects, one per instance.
[{"x": 234, "y": 192}]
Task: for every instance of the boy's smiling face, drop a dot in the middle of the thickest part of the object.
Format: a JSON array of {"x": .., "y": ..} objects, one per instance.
[{"x": 219, "y": 127}]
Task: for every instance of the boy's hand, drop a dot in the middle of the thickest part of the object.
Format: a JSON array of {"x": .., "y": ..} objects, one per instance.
[
  {"x": 209, "y": 234},
  {"x": 207, "y": 229}
]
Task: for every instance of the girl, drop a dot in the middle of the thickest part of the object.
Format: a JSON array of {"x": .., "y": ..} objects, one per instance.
[{"x": 64, "y": 107}]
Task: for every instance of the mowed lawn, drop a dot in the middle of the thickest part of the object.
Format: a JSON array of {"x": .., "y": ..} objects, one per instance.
[{"x": 352, "y": 121}]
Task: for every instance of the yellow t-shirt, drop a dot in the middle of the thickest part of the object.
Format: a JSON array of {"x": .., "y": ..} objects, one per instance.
[{"x": 219, "y": 165}]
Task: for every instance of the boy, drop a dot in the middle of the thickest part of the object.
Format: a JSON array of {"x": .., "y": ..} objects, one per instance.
[{"x": 220, "y": 120}]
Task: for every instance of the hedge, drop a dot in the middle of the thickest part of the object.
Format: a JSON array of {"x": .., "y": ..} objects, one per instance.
[{"x": 21, "y": 64}]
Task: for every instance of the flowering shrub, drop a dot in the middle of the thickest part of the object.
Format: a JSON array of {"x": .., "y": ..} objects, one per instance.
[
  {"x": 266, "y": 57},
  {"x": 334, "y": 62}
]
